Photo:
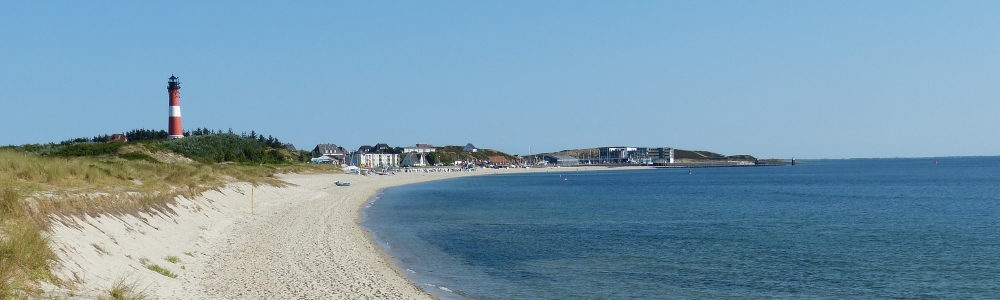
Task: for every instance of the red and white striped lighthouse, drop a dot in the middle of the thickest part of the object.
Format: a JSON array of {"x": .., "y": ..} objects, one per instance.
[{"x": 174, "y": 130}]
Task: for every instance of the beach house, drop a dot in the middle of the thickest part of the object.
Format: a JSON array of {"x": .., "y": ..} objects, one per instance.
[
  {"x": 329, "y": 153},
  {"x": 416, "y": 156},
  {"x": 414, "y": 159},
  {"x": 118, "y": 137}
]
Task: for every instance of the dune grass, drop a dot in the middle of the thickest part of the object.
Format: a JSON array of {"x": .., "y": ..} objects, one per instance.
[
  {"x": 173, "y": 259},
  {"x": 123, "y": 290},
  {"x": 163, "y": 271},
  {"x": 24, "y": 253},
  {"x": 35, "y": 189}
]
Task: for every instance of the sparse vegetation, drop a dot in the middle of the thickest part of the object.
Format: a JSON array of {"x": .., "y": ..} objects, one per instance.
[
  {"x": 99, "y": 249},
  {"x": 139, "y": 156},
  {"x": 189, "y": 254},
  {"x": 122, "y": 290},
  {"x": 173, "y": 259},
  {"x": 163, "y": 271}
]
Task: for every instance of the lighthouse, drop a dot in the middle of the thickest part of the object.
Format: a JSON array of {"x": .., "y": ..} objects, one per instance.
[{"x": 174, "y": 129}]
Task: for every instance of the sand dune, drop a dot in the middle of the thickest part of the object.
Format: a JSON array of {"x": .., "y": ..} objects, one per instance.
[{"x": 302, "y": 241}]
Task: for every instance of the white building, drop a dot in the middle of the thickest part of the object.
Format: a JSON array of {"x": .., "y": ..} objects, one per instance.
[
  {"x": 420, "y": 148},
  {"x": 416, "y": 156},
  {"x": 374, "y": 157},
  {"x": 375, "y": 160},
  {"x": 414, "y": 159}
]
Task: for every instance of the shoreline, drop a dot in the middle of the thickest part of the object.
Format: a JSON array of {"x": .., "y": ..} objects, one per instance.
[
  {"x": 397, "y": 266},
  {"x": 304, "y": 240}
]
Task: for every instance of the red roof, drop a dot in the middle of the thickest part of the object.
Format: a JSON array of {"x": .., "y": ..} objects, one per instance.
[{"x": 498, "y": 159}]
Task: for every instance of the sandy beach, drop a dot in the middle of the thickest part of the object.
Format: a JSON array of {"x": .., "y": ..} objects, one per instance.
[{"x": 301, "y": 242}]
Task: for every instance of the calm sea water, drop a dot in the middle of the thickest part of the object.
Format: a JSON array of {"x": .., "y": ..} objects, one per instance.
[{"x": 888, "y": 228}]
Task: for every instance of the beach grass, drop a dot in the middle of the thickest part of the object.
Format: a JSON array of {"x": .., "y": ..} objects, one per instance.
[
  {"x": 36, "y": 190},
  {"x": 24, "y": 253},
  {"x": 173, "y": 259},
  {"x": 123, "y": 290},
  {"x": 163, "y": 271}
]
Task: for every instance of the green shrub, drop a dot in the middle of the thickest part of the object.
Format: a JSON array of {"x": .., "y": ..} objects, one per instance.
[
  {"x": 88, "y": 149},
  {"x": 225, "y": 147}
]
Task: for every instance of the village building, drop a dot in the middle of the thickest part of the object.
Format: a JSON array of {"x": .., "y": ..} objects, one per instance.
[
  {"x": 499, "y": 161},
  {"x": 634, "y": 155},
  {"x": 329, "y": 154},
  {"x": 470, "y": 148},
  {"x": 414, "y": 159},
  {"x": 380, "y": 156},
  {"x": 420, "y": 148},
  {"x": 661, "y": 155},
  {"x": 118, "y": 137},
  {"x": 616, "y": 155},
  {"x": 562, "y": 160},
  {"x": 382, "y": 147},
  {"x": 416, "y": 156},
  {"x": 329, "y": 149}
]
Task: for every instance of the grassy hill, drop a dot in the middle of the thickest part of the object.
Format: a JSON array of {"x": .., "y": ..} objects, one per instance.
[
  {"x": 205, "y": 148},
  {"x": 449, "y": 154},
  {"x": 89, "y": 176}
]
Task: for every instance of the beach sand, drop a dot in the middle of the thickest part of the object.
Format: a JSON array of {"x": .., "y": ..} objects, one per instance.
[{"x": 301, "y": 242}]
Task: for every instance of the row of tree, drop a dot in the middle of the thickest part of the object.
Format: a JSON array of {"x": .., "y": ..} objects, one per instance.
[
  {"x": 201, "y": 144},
  {"x": 228, "y": 147},
  {"x": 140, "y": 135}
]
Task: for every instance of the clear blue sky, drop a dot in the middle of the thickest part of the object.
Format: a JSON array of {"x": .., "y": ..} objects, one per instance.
[{"x": 810, "y": 79}]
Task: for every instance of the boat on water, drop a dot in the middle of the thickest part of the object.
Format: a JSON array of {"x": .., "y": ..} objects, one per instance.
[{"x": 342, "y": 183}]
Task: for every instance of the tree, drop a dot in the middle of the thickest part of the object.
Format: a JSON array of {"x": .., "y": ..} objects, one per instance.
[{"x": 432, "y": 158}]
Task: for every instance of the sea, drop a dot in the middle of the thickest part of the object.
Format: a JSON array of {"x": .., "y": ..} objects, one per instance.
[{"x": 822, "y": 229}]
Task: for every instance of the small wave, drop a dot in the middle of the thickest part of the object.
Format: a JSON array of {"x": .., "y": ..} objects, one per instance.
[{"x": 439, "y": 287}]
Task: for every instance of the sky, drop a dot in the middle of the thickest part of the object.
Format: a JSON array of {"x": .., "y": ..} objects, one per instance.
[{"x": 774, "y": 79}]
